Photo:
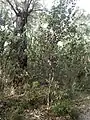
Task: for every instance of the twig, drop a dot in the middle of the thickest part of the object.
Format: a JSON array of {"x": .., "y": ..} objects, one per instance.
[{"x": 12, "y": 6}]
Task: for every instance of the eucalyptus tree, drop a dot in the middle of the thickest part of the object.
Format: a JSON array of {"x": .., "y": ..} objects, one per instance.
[
  {"x": 22, "y": 10},
  {"x": 18, "y": 17},
  {"x": 71, "y": 65}
]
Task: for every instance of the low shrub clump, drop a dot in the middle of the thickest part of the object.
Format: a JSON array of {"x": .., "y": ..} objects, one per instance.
[
  {"x": 62, "y": 108},
  {"x": 66, "y": 108}
]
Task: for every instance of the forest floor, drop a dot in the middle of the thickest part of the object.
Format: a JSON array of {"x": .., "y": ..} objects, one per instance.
[
  {"x": 9, "y": 107},
  {"x": 44, "y": 114}
]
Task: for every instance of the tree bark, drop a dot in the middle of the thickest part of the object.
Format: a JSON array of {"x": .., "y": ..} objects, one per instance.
[
  {"x": 21, "y": 21},
  {"x": 20, "y": 29}
]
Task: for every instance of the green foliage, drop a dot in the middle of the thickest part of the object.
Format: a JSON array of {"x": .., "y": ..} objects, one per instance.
[
  {"x": 66, "y": 107},
  {"x": 35, "y": 84},
  {"x": 62, "y": 107},
  {"x": 17, "y": 116},
  {"x": 54, "y": 72}
]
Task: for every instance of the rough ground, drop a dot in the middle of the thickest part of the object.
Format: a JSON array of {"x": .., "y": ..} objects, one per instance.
[
  {"x": 84, "y": 108},
  {"x": 40, "y": 113},
  {"x": 43, "y": 114}
]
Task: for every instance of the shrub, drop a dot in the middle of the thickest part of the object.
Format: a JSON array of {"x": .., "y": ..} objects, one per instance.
[
  {"x": 75, "y": 113},
  {"x": 62, "y": 108},
  {"x": 17, "y": 115}
]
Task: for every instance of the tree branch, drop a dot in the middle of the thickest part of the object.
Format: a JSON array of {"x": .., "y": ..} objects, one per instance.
[
  {"x": 16, "y": 4},
  {"x": 12, "y": 6},
  {"x": 29, "y": 3},
  {"x": 31, "y": 9},
  {"x": 40, "y": 10}
]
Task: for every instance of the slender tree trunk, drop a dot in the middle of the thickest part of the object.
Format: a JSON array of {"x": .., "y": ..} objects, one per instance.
[
  {"x": 21, "y": 20},
  {"x": 22, "y": 55},
  {"x": 20, "y": 30}
]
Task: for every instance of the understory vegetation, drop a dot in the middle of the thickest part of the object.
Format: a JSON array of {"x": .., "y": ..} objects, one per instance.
[{"x": 44, "y": 60}]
